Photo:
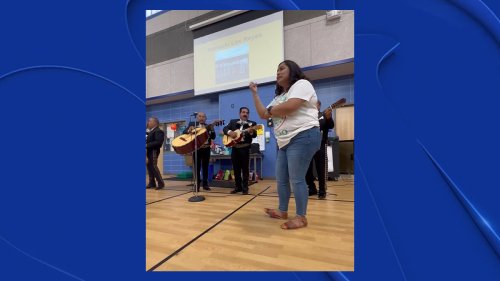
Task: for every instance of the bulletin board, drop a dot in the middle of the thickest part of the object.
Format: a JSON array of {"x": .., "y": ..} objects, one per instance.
[{"x": 260, "y": 139}]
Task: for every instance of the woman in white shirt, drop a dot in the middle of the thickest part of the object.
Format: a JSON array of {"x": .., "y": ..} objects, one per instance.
[{"x": 296, "y": 127}]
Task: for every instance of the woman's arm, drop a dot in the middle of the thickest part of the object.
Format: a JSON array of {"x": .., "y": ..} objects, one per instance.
[
  {"x": 288, "y": 107},
  {"x": 302, "y": 92},
  {"x": 261, "y": 109}
]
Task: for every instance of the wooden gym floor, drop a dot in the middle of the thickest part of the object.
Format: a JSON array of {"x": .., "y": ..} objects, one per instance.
[{"x": 231, "y": 232}]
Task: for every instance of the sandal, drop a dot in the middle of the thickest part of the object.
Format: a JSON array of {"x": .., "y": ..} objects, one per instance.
[
  {"x": 276, "y": 214},
  {"x": 297, "y": 222}
]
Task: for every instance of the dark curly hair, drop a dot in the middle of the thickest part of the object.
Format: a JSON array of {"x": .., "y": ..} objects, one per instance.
[{"x": 295, "y": 75}]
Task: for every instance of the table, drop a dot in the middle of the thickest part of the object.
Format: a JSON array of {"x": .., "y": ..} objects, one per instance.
[{"x": 253, "y": 156}]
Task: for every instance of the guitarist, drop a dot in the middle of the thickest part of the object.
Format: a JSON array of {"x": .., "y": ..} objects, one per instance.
[
  {"x": 154, "y": 141},
  {"x": 240, "y": 154},
  {"x": 325, "y": 124},
  {"x": 203, "y": 148}
]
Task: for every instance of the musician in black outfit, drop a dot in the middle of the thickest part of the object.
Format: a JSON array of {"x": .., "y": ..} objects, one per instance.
[
  {"x": 154, "y": 142},
  {"x": 325, "y": 124},
  {"x": 203, "y": 149},
  {"x": 240, "y": 154}
]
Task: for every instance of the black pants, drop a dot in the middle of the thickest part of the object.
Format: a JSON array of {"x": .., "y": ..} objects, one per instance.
[
  {"x": 241, "y": 161},
  {"x": 203, "y": 159},
  {"x": 319, "y": 159},
  {"x": 152, "y": 166}
]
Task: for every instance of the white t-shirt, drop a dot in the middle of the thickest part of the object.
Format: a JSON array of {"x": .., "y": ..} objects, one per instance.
[{"x": 306, "y": 117}]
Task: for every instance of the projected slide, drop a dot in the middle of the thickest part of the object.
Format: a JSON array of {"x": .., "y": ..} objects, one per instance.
[
  {"x": 231, "y": 64},
  {"x": 233, "y": 57}
]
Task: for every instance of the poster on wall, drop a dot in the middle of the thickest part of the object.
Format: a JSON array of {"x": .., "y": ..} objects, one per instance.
[
  {"x": 170, "y": 133},
  {"x": 329, "y": 152},
  {"x": 260, "y": 139}
]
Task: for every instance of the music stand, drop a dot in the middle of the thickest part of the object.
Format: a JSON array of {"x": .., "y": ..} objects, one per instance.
[{"x": 195, "y": 197}]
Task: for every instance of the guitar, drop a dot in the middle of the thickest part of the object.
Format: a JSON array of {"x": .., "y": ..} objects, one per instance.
[
  {"x": 230, "y": 142},
  {"x": 187, "y": 143},
  {"x": 336, "y": 104},
  {"x": 209, "y": 126}
]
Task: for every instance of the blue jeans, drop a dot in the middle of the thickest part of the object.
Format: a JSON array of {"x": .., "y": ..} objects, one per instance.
[{"x": 291, "y": 167}]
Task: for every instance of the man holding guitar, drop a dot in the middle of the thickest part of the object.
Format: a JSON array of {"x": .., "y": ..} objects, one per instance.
[
  {"x": 240, "y": 154},
  {"x": 203, "y": 148},
  {"x": 320, "y": 157},
  {"x": 154, "y": 141}
]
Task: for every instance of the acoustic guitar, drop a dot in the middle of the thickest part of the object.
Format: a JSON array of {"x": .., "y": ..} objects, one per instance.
[
  {"x": 230, "y": 142},
  {"x": 336, "y": 104},
  {"x": 187, "y": 143}
]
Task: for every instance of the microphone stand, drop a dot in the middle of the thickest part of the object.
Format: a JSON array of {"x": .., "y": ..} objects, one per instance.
[{"x": 195, "y": 197}]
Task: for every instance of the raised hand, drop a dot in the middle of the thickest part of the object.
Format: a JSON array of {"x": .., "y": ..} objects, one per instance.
[{"x": 253, "y": 87}]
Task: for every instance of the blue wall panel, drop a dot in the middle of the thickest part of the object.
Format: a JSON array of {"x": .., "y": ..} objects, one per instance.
[{"x": 226, "y": 106}]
